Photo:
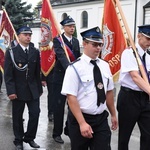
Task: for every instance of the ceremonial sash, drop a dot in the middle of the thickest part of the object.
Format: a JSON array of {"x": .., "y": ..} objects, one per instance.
[{"x": 69, "y": 51}]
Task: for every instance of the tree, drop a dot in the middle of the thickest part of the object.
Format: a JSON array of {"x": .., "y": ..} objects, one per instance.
[
  {"x": 18, "y": 12},
  {"x": 36, "y": 9},
  {"x": 75, "y": 32}
]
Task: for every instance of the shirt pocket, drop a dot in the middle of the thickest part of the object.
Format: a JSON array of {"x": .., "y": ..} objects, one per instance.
[
  {"x": 20, "y": 62},
  {"x": 87, "y": 82}
]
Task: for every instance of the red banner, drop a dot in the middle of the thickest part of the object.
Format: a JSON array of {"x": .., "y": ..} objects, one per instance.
[
  {"x": 7, "y": 34},
  {"x": 114, "y": 40},
  {"x": 48, "y": 32}
]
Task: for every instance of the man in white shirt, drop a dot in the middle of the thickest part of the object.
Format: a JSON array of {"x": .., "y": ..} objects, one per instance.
[
  {"x": 87, "y": 118},
  {"x": 133, "y": 103}
]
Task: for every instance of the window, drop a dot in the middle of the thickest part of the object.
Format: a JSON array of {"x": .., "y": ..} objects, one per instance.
[
  {"x": 84, "y": 19},
  {"x": 64, "y": 15}
]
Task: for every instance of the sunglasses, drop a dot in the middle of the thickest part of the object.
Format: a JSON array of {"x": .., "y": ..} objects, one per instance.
[{"x": 94, "y": 44}]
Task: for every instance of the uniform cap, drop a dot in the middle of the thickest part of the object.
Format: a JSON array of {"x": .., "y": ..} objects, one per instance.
[
  {"x": 93, "y": 34},
  {"x": 145, "y": 30},
  {"x": 24, "y": 29},
  {"x": 67, "y": 21}
]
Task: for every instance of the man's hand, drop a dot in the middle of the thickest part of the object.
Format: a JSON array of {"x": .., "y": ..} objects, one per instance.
[
  {"x": 12, "y": 96},
  {"x": 86, "y": 130},
  {"x": 114, "y": 123}
]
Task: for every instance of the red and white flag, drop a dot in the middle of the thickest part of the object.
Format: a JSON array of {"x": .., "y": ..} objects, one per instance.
[
  {"x": 7, "y": 34},
  {"x": 114, "y": 39},
  {"x": 48, "y": 32}
]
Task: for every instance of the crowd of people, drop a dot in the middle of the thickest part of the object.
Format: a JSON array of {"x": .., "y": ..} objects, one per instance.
[{"x": 82, "y": 82}]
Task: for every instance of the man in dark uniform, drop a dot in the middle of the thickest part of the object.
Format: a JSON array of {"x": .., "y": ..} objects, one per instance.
[
  {"x": 133, "y": 102},
  {"x": 23, "y": 85},
  {"x": 72, "y": 47}
]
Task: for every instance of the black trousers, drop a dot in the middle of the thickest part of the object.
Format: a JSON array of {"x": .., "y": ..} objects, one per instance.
[
  {"x": 17, "y": 116},
  {"x": 101, "y": 136},
  {"x": 59, "y": 107},
  {"x": 50, "y": 100},
  {"x": 1, "y": 79},
  {"x": 133, "y": 107}
]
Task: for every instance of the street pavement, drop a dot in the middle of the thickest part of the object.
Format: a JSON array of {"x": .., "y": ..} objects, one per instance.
[{"x": 44, "y": 134}]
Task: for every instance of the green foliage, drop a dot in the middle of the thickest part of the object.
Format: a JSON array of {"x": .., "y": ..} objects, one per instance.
[
  {"x": 35, "y": 10},
  {"x": 19, "y": 12},
  {"x": 75, "y": 32}
]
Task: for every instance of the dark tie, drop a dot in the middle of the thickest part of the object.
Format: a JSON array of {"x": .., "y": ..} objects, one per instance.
[
  {"x": 144, "y": 63},
  {"x": 101, "y": 97},
  {"x": 71, "y": 41},
  {"x": 26, "y": 51}
]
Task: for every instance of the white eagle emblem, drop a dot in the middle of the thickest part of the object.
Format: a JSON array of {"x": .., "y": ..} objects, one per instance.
[
  {"x": 46, "y": 35},
  {"x": 108, "y": 41}
]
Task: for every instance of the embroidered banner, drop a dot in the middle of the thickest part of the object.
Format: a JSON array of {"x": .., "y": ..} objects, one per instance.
[
  {"x": 114, "y": 40},
  {"x": 7, "y": 34},
  {"x": 48, "y": 32}
]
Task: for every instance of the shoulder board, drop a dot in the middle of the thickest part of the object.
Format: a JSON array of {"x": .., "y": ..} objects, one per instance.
[
  {"x": 129, "y": 47},
  {"x": 36, "y": 49},
  {"x": 148, "y": 52},
  {"x": 74, "y": 37},
  {"x": 71, "y": 63},
  {"x": 8, "y": 48},
  {"x": 31, "y": 47},
  {"x": 104, "y": 60},
  {"x": 58, "y": 36}
]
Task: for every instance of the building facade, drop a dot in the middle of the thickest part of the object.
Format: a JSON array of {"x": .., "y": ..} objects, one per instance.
[{"x": 89, "y": 13}]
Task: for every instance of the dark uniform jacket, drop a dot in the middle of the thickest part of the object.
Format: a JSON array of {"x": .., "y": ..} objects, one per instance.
[
  {"x": 61, "y": 59},
  {"x": 25, "y": 84}
]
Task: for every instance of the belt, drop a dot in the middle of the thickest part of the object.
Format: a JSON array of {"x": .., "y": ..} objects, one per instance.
[
  {"x": 84, "y": 114},
  {"x": 130, "y": 90}
]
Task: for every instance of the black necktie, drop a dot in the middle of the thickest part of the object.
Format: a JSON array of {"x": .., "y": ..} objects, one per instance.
[
  {"x": 144, "y": 63},
  {"x": 26, "y": 51},
  {"x": 101, "y": 97},
  {"x": 71, "y": 42}
]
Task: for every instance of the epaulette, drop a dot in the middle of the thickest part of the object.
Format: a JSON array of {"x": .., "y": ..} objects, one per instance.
[
  {"x": 134, "y": 51},
  {"x": 104, "y": 60},
  {"x": 71, "y": 63},
  {"x": 148, "y": 52},
  {"x": 58, "y": 36},
  {"x": 129, "y": 47}
]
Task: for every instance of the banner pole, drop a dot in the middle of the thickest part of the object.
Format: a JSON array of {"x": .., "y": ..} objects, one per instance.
[
  {"x": 56, "y": 25},
  {"x": 11, "y": 24}
]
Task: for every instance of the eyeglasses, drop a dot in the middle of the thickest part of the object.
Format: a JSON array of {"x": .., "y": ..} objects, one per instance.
[{"x": 95, "y": 44}]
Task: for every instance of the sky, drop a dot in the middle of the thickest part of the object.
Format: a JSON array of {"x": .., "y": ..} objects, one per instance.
[{"x": 33, "y": 2}]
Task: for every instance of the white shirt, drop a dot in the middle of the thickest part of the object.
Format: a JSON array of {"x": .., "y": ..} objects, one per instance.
[
  {"x": 68, "y": 38},
  {"x": 129, "y": 63},
  {"x": 80, "y": 83},
  {"x": 24, "y": 47}
]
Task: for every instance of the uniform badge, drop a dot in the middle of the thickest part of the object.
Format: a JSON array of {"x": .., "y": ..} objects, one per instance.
[
  {"x": 100, "y": 85},
  {"x": 20, "y": 65}
]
